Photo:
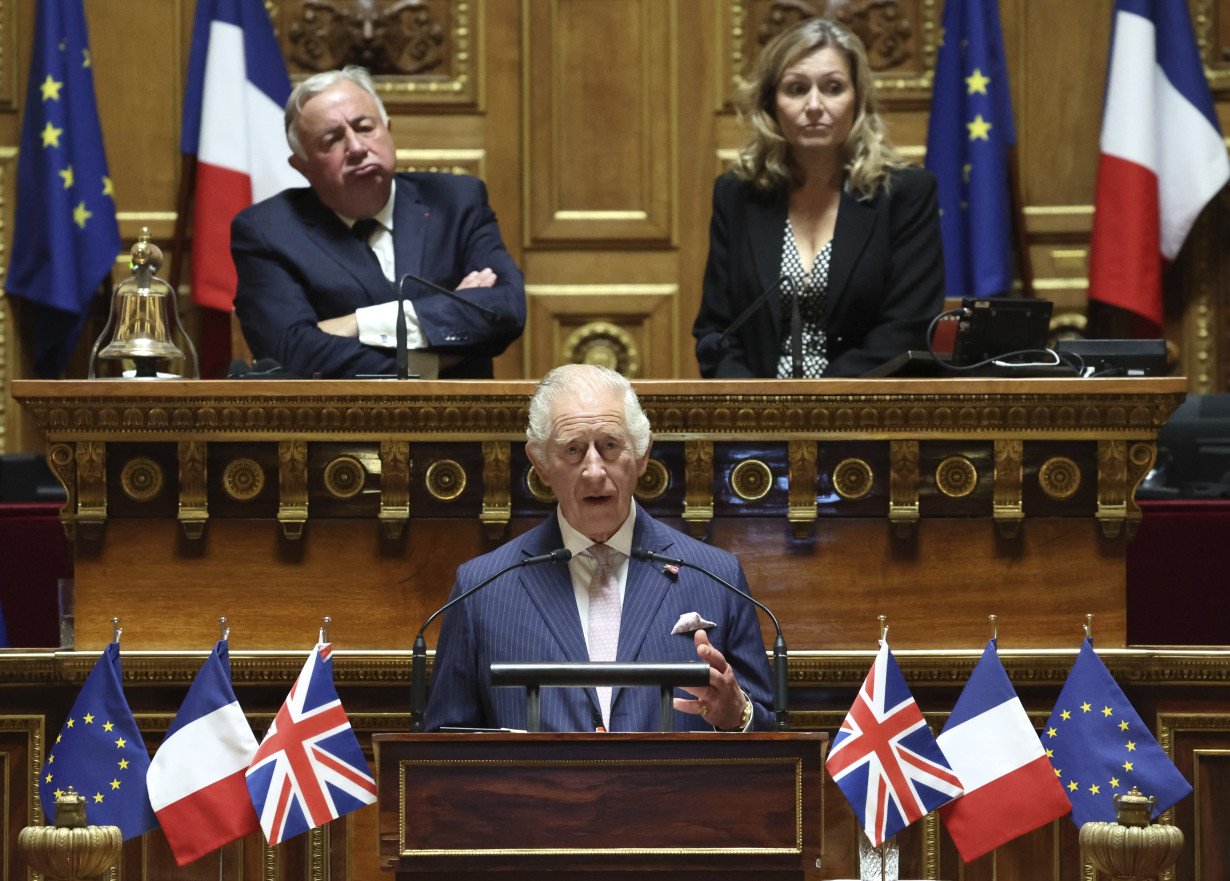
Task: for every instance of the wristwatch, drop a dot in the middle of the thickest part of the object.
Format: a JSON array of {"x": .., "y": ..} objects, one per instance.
[{"x": 746, "y": 719}]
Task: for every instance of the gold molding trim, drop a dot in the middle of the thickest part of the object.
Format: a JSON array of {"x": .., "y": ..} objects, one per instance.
[
  {"x": 243, "y": 479},
  {"x": 1060, "y": 478},
  {"x": 448, "y": 161},
  {"x": 652, "y": 483},
  {"x": 751, "y": 479},
  {"x": 395, "y": 465},
  {"x": 292, "y": 488},
  {"x": 801, "y": 509},
  {"x": 62, "y": 460},
  {"x": 853, "y": 479},
  {"x": 1007, "y": 507},
  {"x": 497, "y": 498},
  {"x": 698, "y": 486},
  {"x": 193, "y": 488},
  {"x": 141, "y": 479},
  {"x": 344, "y": 477},
  {"x": 956, "y": 477},
  {"x": 445, "y": 479},
  {"x": 903, "y": 487}
]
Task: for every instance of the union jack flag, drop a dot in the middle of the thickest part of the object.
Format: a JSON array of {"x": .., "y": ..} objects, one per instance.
[
  {"x": 884, "y": 757},
  {"x": 309, "y": 769}
]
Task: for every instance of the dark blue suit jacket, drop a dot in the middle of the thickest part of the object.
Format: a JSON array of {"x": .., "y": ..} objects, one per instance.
[
  {"x": 531, "y": 614},
  {"x": 886, "y": 278},
  {"x": 299, "y": 264}
]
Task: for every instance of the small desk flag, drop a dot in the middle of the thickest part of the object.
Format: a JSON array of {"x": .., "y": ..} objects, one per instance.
[
  {"x": 1100, "y": 747},
  {"x": 100, "y": 754}
]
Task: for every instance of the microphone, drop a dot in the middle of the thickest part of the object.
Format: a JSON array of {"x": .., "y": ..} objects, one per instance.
[
  {"x": 402, "y": 333},
  {"x": 785, "y": 282},
  {"x": 418, "y": 654},
  {"x": 489, "y": 314},
  {"x": 781, "y": 671}
]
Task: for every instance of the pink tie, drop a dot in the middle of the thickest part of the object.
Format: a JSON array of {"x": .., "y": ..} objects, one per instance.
[{"x": 604, "y": 612}]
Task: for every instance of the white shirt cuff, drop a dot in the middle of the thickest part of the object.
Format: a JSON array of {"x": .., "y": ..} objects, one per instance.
[{"x": 378, "y": 326}]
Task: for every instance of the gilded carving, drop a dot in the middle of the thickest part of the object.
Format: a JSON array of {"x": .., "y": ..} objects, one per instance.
[
  {"x": 1007, "y": 508},
  {"x": 882, "y": 25},
  {"x": 193, "y": 489},
  {"x": 395, "y": 466},
  {"x": 292, "y": 488},
  {"x": 141, "y": 479},
  {"x": 402, "y": 37},
  {"x": 903, "y": 486},
  {"x": 956, "y": 477},
  {"x": 801, "y": 505},
  {"x": 446, "y": 479},
  {"x": 853, "y": 479},
  {"x": 751, "y": 479},
  {"x": 537, "y": 488},
  {"x": 243, "y": 479},
  {"x": 62, "y": 460},
  {"x": 653, "y": 482},
  {"x": 698, "y": 486},
  {"x": 1141, "y": 456},
  {"x": 91, "y": 487},
  {"x": 344, "y": 477},
  {"x": 497, "y": 498},
  {"x": 1059, "y": 478},
  {"x": 1112, "y": 486},
  {"x": 604, "y": 344}
]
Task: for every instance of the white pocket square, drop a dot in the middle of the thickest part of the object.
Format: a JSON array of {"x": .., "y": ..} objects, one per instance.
[{"x": 690, "y": 622}]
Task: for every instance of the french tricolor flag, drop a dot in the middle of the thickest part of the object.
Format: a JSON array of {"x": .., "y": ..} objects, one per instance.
[
  {"x": 196, "y": 781},
  {"x": 1162, "y": 159},
  {"x": 232, "y": 123},
  {"x": 1010, "y": 786}
]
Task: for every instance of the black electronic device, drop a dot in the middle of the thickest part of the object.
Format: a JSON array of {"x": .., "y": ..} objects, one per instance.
[
  {"x": 991, "y": 328},
  {"x": 1117, "y": 357}
]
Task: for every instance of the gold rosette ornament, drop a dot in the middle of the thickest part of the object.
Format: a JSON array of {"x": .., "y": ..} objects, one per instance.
[
  {"x": 1131, "y": 849},
  {"x": 71, "y": 849}
]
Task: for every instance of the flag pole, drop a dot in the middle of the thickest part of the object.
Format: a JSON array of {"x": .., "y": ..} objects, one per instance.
[
  {"x": 183, "y": 205},
  {"x": 324, "y": 629},
  {"x": 224, "y": 628},
  {"x": 1018, "y": 221},
  {"x": 116, "y": 630}
]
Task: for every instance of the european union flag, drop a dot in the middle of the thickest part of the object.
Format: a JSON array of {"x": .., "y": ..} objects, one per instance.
[
  {"x": 66, "y": 236},
  {"x": 968, "y": 143},
  {"x": 101, "y": 755},
  {"x": 1099, "y": 747}
]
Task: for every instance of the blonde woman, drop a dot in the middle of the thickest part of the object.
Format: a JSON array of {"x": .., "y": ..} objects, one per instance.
[{"x": 824, "y": 254}]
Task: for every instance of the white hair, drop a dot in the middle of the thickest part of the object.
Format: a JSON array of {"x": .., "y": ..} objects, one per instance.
[
  {"x": 315, "y": 85},
  {"x": 572, "y": 378}
]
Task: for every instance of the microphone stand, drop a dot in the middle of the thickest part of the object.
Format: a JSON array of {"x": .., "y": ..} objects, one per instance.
[
  {"x": 781, "y": 669},
  {"x": 418, "y": 654}
]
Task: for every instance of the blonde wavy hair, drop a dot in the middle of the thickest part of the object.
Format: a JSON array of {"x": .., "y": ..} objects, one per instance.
[{"x": 765, "y": 159}]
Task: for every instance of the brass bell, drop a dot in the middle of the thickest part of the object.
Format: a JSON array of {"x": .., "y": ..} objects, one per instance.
[{"x": 144, "y": 317}]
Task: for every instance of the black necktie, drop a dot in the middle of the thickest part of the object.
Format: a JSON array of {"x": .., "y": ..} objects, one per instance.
[{"x": 363, "y": 230}]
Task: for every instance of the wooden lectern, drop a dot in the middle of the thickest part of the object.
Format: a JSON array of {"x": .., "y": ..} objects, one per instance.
[{"x": 600, "y": 806}]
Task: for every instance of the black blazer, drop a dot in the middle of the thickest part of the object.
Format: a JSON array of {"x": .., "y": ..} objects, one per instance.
[
  {"x": 886, "y": 278},
  {"x": 298, "y": 264}
]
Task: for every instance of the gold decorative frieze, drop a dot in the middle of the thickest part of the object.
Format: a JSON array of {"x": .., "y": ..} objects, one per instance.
[
  {"x": 243, "y": 479},
  {"x": 1059, "y": 478},
  {"x": 956, "y": 477},
  {"x": 446, "y": 479},
  {"x": 1007, "y": 508},
  {"x": 141, "y": 479},
  {"x": 344, "y": 477},
  {"x": 698, "y": 486},
  {"x": 91, "y": 488},
  {"x": 903, "y": 487},
  {"x": 497, "y": 499},
  {"x": 801, "y": 505},
  {"x": 193, "y": 488},
  {"x": 751, "y": 479},
  {"x": 395, "y": 465},
  {"x": 653, "y": 482},
  {"x": 292, "y": 488},
  {"x": 853, "y": 479}
]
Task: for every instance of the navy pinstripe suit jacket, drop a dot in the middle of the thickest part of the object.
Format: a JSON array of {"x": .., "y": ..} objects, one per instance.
[{"x": 530, "y": 615}]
